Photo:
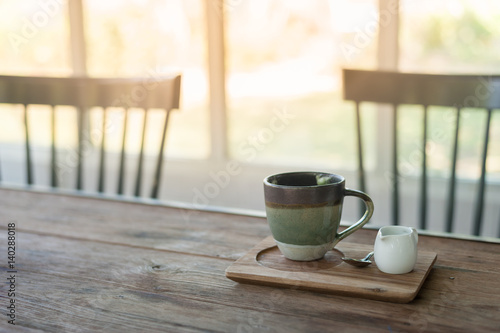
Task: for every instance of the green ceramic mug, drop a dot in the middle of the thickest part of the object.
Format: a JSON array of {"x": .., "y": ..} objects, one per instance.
[{"x": 304, "y": 209}]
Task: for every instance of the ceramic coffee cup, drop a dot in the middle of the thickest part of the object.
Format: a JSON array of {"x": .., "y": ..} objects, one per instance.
[{"x": 304, "y": 209}]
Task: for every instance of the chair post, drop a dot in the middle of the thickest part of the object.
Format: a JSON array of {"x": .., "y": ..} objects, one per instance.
[{"x": 482, "y": 179}]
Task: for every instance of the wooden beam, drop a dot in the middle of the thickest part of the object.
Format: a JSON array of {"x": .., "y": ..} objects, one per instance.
[
  {"x": 77, "y": 38},
  {"x": 216, "y": 78}
]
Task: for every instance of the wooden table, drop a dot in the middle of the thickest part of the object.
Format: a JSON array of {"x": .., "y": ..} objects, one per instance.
[{"x": 93, "y": 265}]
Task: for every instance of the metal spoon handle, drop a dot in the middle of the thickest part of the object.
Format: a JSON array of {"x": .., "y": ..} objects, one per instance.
[{"x": 368, "y": 256}]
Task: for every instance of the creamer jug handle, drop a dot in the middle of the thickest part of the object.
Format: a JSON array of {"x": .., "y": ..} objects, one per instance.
[{"x": 414, "y": 234}]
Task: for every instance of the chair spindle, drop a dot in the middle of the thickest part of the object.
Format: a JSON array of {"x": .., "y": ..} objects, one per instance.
[
  {"x": 121, "y": 173},
  {"x": 100, "y": 187},
  {"x": 79, "y": 166},
  {"x": 159, "y": 163},
  {"x": 478, "y": 215},
  {"x": 423, "y": 184},
  {"x": 53, "y": 165},
  {"x": 138, "y": 182},
  {"x": 29, "y": 166},
  {"x": 361, "y": 169},
  {"x": 395, "y": 183},
  {"x": 453, "y": 176}
]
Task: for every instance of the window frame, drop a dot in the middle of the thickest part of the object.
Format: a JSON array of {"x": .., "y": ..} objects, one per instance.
[{"x": 387, "y": 59}]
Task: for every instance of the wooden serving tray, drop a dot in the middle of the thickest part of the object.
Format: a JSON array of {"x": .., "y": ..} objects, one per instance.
[{"x": 265, "y": 265}]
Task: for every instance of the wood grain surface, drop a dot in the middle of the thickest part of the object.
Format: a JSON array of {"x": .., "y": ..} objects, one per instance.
[{"x": 93, "y": 265}]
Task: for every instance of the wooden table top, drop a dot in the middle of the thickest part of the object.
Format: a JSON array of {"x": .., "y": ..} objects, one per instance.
[{"x": 92, "y": 265}]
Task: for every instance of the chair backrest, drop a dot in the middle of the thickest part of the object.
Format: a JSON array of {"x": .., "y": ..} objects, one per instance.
[
  {"x": 84, "y": 93},
  {"x": 481, "y": 92}
]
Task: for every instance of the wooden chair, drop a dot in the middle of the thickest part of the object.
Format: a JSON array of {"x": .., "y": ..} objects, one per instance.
[
  {"x": 481, "y": 92},
  {"x": 84, "y": 93}
]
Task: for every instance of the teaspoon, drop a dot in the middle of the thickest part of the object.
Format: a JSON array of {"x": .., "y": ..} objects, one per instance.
[{"x": 359, "y": 262}]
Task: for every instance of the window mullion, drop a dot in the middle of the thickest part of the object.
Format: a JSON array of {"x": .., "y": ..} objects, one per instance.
[
  {"x": 216, "y": 77},
  {"x": 77, "y": 38},
  {"x": 387, "y": 59}
]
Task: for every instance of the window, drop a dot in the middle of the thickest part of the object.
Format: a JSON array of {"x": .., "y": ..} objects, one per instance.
[
  {"x": 35, "y": 42},
  {"x": 35, "y": 38},
  {"x": 284, "y": 83},
  {"x": 153, "y": 37}
]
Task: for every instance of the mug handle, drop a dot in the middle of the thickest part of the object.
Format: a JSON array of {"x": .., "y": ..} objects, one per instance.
[{"x": 364, "y": 219}]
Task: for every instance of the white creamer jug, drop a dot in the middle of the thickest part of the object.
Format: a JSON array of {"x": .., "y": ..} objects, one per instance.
[{"x": 396, "y": 249}]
